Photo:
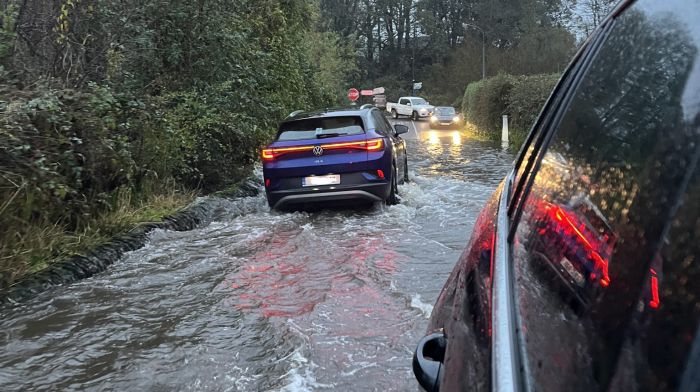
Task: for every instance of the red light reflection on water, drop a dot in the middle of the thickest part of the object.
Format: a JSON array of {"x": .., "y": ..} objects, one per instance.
[{"x": 288, "y": 280}]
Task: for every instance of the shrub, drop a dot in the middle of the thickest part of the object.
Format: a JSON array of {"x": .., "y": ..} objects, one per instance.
[
  {"x": 157, "y": 97},
  {"x": 526, "y": 99},
  {"x": 59, "y": 148},
  {"x": 520, "y": 97},
  {"x": 487, "y": 101}
]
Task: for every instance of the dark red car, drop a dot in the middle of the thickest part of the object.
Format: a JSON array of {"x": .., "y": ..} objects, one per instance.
[{"x": 603, "y": 206}]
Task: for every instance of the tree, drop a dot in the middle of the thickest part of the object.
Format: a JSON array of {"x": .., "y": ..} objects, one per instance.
[{"x": 587, "y": 14}]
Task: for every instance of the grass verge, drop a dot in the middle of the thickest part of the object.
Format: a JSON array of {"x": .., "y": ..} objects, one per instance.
[
  {"x": 516, "y": 139},
  {"x": 30, "y": 247},
  {"x": 470, "y": 131}
]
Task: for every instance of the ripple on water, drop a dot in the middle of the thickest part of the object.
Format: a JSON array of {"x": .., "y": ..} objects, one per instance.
[{"x": 263, "y": 300}]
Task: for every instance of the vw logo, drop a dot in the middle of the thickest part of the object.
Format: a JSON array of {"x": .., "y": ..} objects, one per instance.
[{"x": 318, "y": 151}]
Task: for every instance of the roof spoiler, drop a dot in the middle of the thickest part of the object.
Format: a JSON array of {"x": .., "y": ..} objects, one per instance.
[{"x": 294, "y": 113}]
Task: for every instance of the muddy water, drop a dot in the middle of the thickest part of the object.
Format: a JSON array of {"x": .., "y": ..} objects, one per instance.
[{"x": 260, "y": 300}]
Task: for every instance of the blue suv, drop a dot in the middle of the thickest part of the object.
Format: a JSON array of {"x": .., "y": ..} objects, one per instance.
[{"x": 335, "y": 155}]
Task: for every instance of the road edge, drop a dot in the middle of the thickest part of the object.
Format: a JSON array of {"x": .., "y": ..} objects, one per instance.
[{"x": 78, "y": 267}]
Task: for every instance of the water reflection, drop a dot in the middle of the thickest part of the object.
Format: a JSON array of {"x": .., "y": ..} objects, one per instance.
[
  {"x": 291, "y": 277},
  {"x": 261, "y": 301},
  {"x": 435, "y": 136}
]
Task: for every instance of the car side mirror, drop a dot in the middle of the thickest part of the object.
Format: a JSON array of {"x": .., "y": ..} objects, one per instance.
[
  {"x": 408, "y": 104},
  {"x": 400, "y": 129}
]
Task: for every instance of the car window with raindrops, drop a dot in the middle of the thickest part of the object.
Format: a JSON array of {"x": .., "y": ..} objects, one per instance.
[{"x": 609, "y": 227}]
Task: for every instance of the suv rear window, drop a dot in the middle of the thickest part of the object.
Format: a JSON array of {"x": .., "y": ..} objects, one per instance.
[{"x": 321, "y": 127}]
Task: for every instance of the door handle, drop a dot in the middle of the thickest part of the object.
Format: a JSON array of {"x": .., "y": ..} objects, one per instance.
[{"x": 428, "y": 360}]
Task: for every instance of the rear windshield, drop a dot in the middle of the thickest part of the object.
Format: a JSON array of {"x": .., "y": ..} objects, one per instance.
[
  {"x": 445, "y": 110},
  {"x": 319, "y": 128}
]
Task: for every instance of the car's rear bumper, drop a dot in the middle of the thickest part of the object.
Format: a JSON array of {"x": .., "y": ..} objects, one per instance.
[{"x": 287, "y": 198}]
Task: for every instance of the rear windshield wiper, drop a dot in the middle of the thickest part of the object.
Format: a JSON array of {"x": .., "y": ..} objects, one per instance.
[{"x": 324, "y": 135}]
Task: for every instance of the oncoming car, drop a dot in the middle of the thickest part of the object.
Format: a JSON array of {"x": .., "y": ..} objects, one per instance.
[
  {"x": 335, "y": 155},
  {"x": 582, "y": 272},
  {"x": 445, "y": 116}
]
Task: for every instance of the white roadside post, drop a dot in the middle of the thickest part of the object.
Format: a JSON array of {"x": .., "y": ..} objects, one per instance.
[{"x": 504, "y": 131}]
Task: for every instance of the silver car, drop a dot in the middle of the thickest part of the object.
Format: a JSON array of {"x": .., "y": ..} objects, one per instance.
[{"x": 445, "y": 116}]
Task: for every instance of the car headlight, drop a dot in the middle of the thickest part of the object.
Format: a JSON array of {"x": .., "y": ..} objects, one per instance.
[
  {"x": 423, "y": 111},
  {"x": 456, "y": 119},
  {"x": 433, "y": 119}
]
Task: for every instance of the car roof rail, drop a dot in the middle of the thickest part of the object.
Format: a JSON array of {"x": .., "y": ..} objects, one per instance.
[
  {"x": 294, "y": 113},
  {"x": 366, "y": 106}
]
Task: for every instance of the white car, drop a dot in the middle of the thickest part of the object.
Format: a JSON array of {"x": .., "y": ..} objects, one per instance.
[{"x": 415, "y": 107}]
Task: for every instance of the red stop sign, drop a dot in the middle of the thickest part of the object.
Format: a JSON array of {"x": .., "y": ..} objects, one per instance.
[{"x": 353, "y": 94}]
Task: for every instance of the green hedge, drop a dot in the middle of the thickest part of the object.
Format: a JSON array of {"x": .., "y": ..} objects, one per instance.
[
  {"x": 167, "y": 100},
  {"x": 520, "y": 97}
]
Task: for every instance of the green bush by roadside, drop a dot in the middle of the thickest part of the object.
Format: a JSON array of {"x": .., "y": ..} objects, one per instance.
[
  {"x": 150, "y": 105},
  {"x": 520, "y": 97}
]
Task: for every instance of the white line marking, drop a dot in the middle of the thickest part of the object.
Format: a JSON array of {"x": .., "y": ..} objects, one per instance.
[{"x": 415, "y": 130}]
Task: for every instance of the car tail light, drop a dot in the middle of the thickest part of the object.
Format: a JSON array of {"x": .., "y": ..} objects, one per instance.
[
  {"x": 270, "y": 153},
  {"x": 570, "y": 226},
  {"x": 267, "y": 182},
  {"x": 380, "y": 173},
  {"x": 654, "y": 302}
]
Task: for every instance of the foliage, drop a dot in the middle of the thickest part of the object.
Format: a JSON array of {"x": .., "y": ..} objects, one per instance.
[
  {"x": 119, "y": 98},
  {"x": 7, "y": 31},
  {"x": 440, "y": 42},
  {"x": 520, "y": 97},
  {"x": 526, "y": 98},
  {"x": 59, "y": 148},
  {"x": 31, "y": 246},
  {"x": 589, "y": 14},
  {"x": 486, "y": 101}
]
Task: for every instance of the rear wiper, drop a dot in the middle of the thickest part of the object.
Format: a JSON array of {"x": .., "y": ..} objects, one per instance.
[{"x": 325, "y": 135}]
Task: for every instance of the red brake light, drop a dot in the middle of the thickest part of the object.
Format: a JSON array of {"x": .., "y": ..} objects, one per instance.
[
  {"x": 654, "y": 302},
  {"x": 375, "y": 144},
  {"x": 269, "y": 154},
  {"x": 380, "y": 173}
]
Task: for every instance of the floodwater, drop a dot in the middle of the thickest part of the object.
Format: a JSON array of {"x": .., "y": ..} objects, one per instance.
[{"x": 260, "y": 300}]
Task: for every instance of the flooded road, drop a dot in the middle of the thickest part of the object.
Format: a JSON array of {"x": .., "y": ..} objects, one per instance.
[{"x": 261, "y": 300}]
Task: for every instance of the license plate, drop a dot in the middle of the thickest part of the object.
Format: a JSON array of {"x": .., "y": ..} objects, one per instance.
[
  {"x": 330, "y": 179},
  {"x": 575, "y": 275}
]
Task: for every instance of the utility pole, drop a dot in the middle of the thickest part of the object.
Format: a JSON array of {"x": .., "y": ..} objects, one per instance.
[
  {"x": 483, "y": 55},
  {"x": 483, "y": 48},
  {"x": 413, "y": 62}
]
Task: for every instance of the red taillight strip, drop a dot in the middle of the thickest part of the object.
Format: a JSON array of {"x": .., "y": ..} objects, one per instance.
[
  {"x": 561, "y": 216},
  {"x": 654, "y": 302},
  {"x": 369, "y": 145}
]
